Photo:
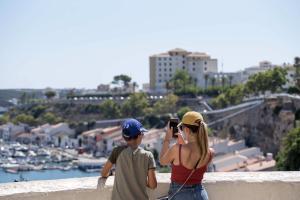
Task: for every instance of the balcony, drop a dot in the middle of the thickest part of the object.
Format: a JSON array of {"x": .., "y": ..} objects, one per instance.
[{"x": 219, "y": 185}]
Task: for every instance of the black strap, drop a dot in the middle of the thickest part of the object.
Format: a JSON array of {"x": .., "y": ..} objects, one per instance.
[{"x": 197, "y": 164}]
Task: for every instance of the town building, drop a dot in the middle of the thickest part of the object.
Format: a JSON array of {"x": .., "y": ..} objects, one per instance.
[{"x": 164, "y": 65}]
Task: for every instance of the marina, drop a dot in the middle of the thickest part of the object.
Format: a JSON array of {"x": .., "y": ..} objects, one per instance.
[{"x": 20, "y": 162}]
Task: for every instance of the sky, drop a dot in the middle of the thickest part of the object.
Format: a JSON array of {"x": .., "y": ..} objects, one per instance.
[{"x": 81, "y": 44}]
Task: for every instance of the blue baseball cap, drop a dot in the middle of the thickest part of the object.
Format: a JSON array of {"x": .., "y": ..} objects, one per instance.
[{"x": 132, "y": 128}]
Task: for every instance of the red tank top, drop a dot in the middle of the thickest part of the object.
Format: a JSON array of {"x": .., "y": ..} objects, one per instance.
[{"x": 180, "y": 173}]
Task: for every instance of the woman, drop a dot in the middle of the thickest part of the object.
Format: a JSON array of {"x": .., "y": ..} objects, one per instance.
[{"x": 186, "y": 155}]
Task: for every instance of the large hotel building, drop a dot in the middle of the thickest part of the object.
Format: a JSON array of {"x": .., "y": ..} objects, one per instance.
[{"x": 164, "y": 65}]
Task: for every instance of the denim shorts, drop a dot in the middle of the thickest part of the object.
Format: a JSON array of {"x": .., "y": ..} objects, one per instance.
[{"x": 188, "y": 192}]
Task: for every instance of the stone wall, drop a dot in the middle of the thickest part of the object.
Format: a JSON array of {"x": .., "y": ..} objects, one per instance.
[{"x": 220, "y": 186}]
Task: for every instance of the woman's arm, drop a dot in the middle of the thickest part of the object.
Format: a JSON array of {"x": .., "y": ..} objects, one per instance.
[
  {"x": 166, "y": 153},
  {"x": 151, "y": 182},
  {"x": 212, "y": 154}
]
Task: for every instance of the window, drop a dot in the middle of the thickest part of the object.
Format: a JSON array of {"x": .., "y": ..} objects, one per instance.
[
  {"x": 159, "y": 64},
  {"x": 205, "y": 68},
  {"x": 159, "y": 69},
  {"x": 205, "y": 63},
  {"x": 170, "y": 58},
  {"x": 159, "y": 75},
  {"x": 159, "y": 58},
  {"x": 170, "y": 69},
  {"x": 165, "y": 69},
  {"x": 165, "y": 64},
  {"x": 183, "y": 67},
  {"x": 194, "y": 69},
  {"x": 194, "y": 63},
  {"x": 170, "y": 64},
  {"x": 165, "y": 58},
  {"x": 183, "y": 62},
  {"x": 159, "y": 80}
]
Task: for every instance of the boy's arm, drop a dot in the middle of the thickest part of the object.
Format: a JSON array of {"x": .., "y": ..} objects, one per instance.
[
  {"x": 152, "y": 182},
  {"x": 104, "y": 174},
  {"x": 151, "y": 176},
  {"x": 106, "y": 169}
]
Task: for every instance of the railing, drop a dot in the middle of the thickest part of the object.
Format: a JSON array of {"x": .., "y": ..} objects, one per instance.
[{"x": 219, "y": 185}]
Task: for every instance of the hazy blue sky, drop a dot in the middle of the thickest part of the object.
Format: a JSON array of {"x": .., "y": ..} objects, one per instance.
[{"x": 63, "y": 44}]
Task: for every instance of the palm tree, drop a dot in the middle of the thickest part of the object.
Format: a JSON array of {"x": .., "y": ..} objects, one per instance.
[
  {"x": 168, "y": 86},
  {"x": 297, "y": 66},
  {"x": 213, "y": 81},
  {"x": 223, "y": 81},
  {"x": 206, "y": 76},
  {"x": 134, "y": 85},
  {"x": 230, "y": 77},
  {"x": 50, "y": 94}
]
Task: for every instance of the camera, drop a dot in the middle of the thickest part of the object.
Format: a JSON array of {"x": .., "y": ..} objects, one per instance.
[{"x": 173, "y": 124}]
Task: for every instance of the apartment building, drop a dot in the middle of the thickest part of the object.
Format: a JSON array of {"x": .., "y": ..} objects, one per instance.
[{"x": 164, "y": 65}]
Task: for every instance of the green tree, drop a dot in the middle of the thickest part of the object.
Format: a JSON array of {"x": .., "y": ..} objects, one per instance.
[
  {"x": 182, "y": 111},
  {"x": 50, "y": 118},
  {"x": 166, "y": 105},
  {"x": 135, "y": 106},
  {"x": 38, "y": 110},
  {"x": 220, "y": 101},
  {"x": 110, "y": 109},
  {"x": 272, "y": 80},
  {"x": 213, "y": 81},
  {"x": 297, "y": 67},
  {"x": 223, "y": 81},
  {"x": 230, "y": 77},
  {"x": 4, "y": 119},
  {"x": 134, "y": 85},
  {"x": 50, "y": 94},
  {"x": 235, "y": 95},
  {"x": 124, "y": 79},
  {"x": 288, "y": 157},
  {"x": 91, "y": 109},
  {"x": 24, "y": 98},
  {"x": 276, "y": 78},
  {"x": 26, "y": 119},
  {"x": 183, "y": 84}
]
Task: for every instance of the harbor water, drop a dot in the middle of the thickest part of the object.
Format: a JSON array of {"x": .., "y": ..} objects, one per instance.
[{"x": 43, "y": 175}]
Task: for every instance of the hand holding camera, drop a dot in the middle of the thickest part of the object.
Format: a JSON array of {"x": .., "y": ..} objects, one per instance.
[{"x": 173, "y": 123}]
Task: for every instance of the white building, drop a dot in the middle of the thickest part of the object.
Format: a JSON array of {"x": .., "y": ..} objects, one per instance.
[
  {"x": 291, "y": 73},
  {"x": 9, "y": 131},
  {"x": 163, "y": 67},
  {"x": 55, "y": 134},
  {"x": 103, "y": 88},
  {"x": 63, "y": 140},
  {"x": 263, "y": 66}
]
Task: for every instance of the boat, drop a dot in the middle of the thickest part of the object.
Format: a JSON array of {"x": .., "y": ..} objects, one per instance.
[
  {"x": 91, "y": 165},
  {"x": 12, "y": 171},
  {"x": 93, "y": 170},
  {"x": 66, "y": 168}
]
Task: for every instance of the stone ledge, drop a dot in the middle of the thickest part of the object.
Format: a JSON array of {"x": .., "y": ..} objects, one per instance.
[{"x": 219, "y": 185}]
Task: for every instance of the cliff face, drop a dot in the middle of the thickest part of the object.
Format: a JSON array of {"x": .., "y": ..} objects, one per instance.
[{"x": 264, "y": 126}]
